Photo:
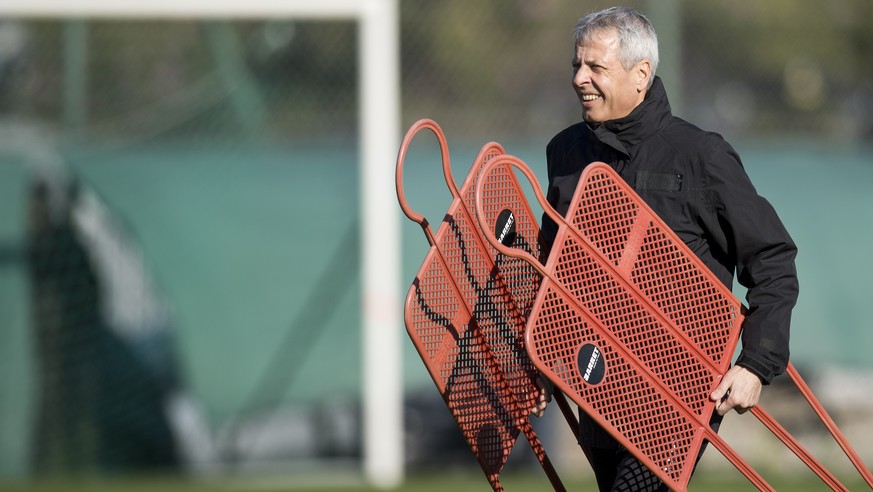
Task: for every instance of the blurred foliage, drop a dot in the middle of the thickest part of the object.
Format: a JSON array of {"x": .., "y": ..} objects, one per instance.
[
  {"x": 498, "y": 67},
  {"x": 491, "y": 67},
  {"x": 782, "y": 66},
  {"x": 749, "y": 68}
]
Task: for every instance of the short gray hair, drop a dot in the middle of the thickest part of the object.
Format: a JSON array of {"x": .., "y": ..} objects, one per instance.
[{"x": 637, "y": 40}]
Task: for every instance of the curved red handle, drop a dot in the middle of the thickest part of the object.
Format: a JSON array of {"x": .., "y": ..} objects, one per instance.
[
  {"x": 487, "y": 231},
  {"x": 447, "y": 170}
]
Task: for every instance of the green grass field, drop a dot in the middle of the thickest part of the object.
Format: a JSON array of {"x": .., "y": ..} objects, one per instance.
[{"x": 450, "y": 481}]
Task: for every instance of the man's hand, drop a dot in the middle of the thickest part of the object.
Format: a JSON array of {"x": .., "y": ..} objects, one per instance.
[
  {"x": 543, "y": 399},
  {"x": 739, "y": 389}
]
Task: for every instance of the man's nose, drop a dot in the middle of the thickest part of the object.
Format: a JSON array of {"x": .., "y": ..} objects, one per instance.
[{"x": 581, "y": 76}]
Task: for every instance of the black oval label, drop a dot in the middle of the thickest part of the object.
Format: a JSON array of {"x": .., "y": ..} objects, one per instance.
[
  {"x": 504, "y": 228},
  {"x": 592, "y": 364}
]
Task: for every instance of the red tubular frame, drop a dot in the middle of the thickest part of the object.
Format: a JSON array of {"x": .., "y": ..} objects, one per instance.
[
  {"x": 618, "y": 272},
  {"x": 508, "y": 395}
]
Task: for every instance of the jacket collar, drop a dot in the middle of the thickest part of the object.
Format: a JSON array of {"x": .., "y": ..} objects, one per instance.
[{"x": 643, "y": 122}]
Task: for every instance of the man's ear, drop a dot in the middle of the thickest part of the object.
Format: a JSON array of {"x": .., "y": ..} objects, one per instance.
[{"x": 644, "y": 73}]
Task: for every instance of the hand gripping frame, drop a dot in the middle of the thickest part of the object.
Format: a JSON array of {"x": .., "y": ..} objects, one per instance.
[
  {"x": 635, "y": 329},
  {"x": 466, "y": 311}
]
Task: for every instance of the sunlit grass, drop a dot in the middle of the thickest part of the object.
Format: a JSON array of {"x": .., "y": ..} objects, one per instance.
[{"x": 450, "y": 481}]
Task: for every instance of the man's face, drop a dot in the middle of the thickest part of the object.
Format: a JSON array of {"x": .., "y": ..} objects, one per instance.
[{"x": 606, "y": 90}]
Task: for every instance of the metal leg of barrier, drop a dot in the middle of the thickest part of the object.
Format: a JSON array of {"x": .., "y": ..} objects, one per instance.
[
  {"x": 541, "y": 455},
  {"x": 735, "y": 460},
  {"x": 572, "y": 422},
  {"x": 569, "y": 416},
  {"x": 792, "y": 444},
  {"x": 829, "y": 423}
]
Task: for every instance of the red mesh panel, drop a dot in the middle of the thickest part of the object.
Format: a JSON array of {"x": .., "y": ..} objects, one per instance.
[
  {"x": 510, "y": 281},
  {"x": 438, "y": 321},
  {"x": 481, "y": 276},
  {"x": 625, "y": 401},
  {"x": 637, "y": 331},
  {"x": 627, "y": 321},
  {"x": 629, "y": 401},
  {"x": 467, "y": 323},
  {"x": 521, "y": 278},
  {"x": 656, "y": 262},
  {"x": 658, "y": 358},
  {"x": 648, "y": 338}
]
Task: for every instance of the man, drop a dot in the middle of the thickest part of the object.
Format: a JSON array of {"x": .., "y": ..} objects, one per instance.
[{"x": 695, "y": 182}]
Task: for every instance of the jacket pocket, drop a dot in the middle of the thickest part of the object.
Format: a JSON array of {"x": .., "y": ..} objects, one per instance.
[{"x": 646, "y": 180}]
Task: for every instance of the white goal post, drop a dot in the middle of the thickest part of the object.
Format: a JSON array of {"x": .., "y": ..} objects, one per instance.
[{"x": 379, "y": 116}]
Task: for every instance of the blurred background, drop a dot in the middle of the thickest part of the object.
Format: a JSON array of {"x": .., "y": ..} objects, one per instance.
[{"x": 179, "y": 220}]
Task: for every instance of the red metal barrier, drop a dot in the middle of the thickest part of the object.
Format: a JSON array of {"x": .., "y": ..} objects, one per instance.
[
  {"x": 466, "y": 312},
  {"x": 633, "y": 327}
]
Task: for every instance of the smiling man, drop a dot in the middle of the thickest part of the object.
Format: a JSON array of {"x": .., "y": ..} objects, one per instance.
[
  {"x": 606, "y": 88},
  {"x": 696, "y": 183}
]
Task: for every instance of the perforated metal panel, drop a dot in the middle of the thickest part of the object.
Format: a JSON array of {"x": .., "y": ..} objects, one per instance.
[
  {"x": 650, "y": 256},
  {"x": 624, "y": 284},
  {"x": 466, "y": 312},
  {"x": 643, "y": 369},
  {"x": 637, "y": 331},
  {"x": 500, "y": 290}
]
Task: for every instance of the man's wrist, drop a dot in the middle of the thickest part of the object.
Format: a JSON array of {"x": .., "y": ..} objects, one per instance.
[{"x": 756, "y": 371}]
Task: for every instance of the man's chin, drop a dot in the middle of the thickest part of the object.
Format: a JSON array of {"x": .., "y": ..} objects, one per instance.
[{"x": 588, "y": 118}]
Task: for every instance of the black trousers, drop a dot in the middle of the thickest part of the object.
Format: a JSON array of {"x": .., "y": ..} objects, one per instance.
[{"x": 615, "y": 468}]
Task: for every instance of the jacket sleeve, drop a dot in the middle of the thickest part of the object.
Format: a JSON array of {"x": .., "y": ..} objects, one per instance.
[
  {"x": 755, "y": 238},
  {"x": 549, "y": 229}
]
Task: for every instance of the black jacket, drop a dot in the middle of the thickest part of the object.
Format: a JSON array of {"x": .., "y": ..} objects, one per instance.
[{"x": 695, "y": 182}]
